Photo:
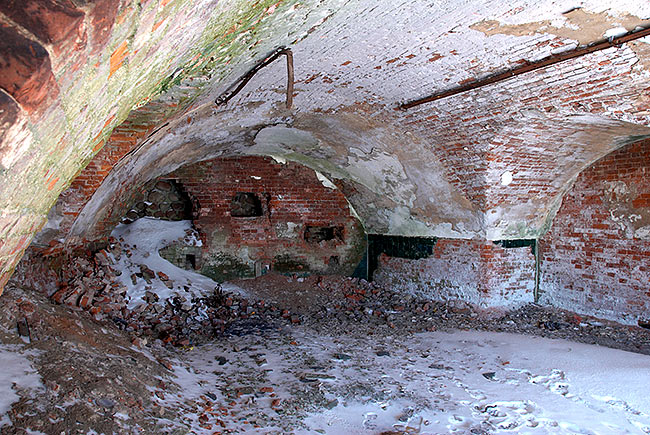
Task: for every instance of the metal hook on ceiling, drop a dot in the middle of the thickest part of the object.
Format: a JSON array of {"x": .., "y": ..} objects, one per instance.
[{"x": 236, "y": 87}]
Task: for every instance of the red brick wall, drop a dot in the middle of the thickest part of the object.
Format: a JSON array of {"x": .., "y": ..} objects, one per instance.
[
  {"x": 292, "y": 197},
  {"x": 499, "y": 136},
  {"x": 596, "y": 257},
  {"x": 478, "y": 272},
  {"x": 125, "y": 138}
]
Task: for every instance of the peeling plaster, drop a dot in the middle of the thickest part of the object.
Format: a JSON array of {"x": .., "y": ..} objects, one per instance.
[
  {"x": 21, "y": 139},
  {"x": 340, "y": 125},
  {"x": 325, "y": 181},
  {"x": 579, "y": 25},
  {"x": 398, "y": 197},
  {"x": 506, "y": 178}
]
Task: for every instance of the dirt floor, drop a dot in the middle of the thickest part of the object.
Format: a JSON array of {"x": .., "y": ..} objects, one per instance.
[{"x": 321, "y": 354}]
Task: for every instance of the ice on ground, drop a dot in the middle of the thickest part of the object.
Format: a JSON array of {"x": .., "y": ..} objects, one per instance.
[
  {"x": 17, "y": 374},
  {"x": 427, "y": 383},
  {"x": 144, "y": 238}
]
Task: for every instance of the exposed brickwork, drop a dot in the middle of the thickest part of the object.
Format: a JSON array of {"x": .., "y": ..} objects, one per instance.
[
  {"x": 55, "y": 62},
  {"x": 432, "y": 171},
  {"x": 596, "y": 256},
  {"x": 291, "y": 198},
  {"x": 525, "y": 134},
  {"x": 474, "y": 271},
  {"x": 50, "y": 21},
  {"x": 8, "y": 115},
  {"x": 122, "y": 141}
]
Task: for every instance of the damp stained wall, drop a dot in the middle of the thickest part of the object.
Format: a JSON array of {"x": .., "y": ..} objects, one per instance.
[
  {"x": 283, "y": 216},
  {"x": 490, "y": 164},
  {"x": 595, "y": 259}
]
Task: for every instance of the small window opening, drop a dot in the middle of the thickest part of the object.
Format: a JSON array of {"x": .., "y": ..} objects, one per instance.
[
  {"x": 245, "y": 204},
  {"x": 314, "y": 234},
  {"x": 190, "y": 261}
]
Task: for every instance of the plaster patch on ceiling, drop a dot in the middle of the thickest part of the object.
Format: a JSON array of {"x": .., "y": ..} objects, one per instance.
[
  {"x": 615, "y": 32},
  {"x": 286, "y": 137},
  {"x": 401, "y": 222},
  {"x": 514, "y": 221},
  {"x": 588, "y": 120},
  {"x": 641, "y": 48},
  {"x": 383, "y": 173},
  {"x": 379, "y": 171},
  {"x": 580, "y": 25}
]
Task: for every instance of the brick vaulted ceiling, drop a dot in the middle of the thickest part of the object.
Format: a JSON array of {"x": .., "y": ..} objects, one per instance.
[{"x": 126, "y": 89}]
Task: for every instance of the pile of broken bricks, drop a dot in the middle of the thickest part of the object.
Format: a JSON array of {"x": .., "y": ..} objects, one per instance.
[{"x": 91, "y": 284}]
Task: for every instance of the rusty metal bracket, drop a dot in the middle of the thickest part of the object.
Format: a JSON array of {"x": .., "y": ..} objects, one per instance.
[
  {"x": 530, "y": 66},
  {"x": 236, "y": 87}
]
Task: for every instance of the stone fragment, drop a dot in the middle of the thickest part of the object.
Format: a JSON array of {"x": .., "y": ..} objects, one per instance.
[
  {"x": 342, "y": 356},
  {"x": 490, "y": 376},
  {"x": 163, "y": 185},
  {"x": 332, "y": 404},
  {"x": 105, "y": 403},
  {"x": 147, "y": 273}
]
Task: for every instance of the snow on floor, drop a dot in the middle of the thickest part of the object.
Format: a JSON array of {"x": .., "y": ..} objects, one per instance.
[
  {"x": 144, "y": 238},
  {"x": 295, "y": 380},
  {"x": 428, "y": 383},
  {"x": 16, "y": 374}
]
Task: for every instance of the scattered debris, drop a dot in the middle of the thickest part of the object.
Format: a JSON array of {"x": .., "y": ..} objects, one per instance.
[{"x": 284, "y": 354}]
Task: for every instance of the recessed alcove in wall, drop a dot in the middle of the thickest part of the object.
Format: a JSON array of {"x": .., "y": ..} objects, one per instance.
[
  {"x": 245, "y": 204},
  {"x": 595, "y": 258},
  {"x": 252, "y": 211},
  {"x": 163, "y": 199},
  {"x": 317, "y": 234}
]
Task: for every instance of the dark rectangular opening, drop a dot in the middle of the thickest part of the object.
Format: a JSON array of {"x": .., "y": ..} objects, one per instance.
[
  {"x": 412, "y": 248},
  {"x": 316, "y": 234},
  {"x": 245, "y": 204},
  {"x": 190, "y": 261},
  {"x": 516, "y": 243}
]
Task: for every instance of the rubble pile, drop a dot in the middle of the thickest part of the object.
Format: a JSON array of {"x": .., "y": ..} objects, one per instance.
[
  {"x": 90, "y": 284},
  {"x": 331, "y": 303},
  {"x": 266, "y": 359},
  {"x": 327, "y": 303},
  {"x": 366, "y": 303},
  {"x": 93, "y": 379}
]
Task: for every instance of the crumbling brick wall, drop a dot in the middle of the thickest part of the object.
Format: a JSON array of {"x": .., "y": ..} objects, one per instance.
[
  {"x": 161, "y": 199},
  {"x": 596, "y": 257},
  {"x": 476, "y": 271},
  {"x": 252, "y": 209}
]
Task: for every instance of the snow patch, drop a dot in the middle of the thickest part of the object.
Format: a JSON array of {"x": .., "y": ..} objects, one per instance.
[
  {"x": 17, "y": 374},
  {"x": 433, "y": 382},
  {"x": 144, "y": 238}
]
